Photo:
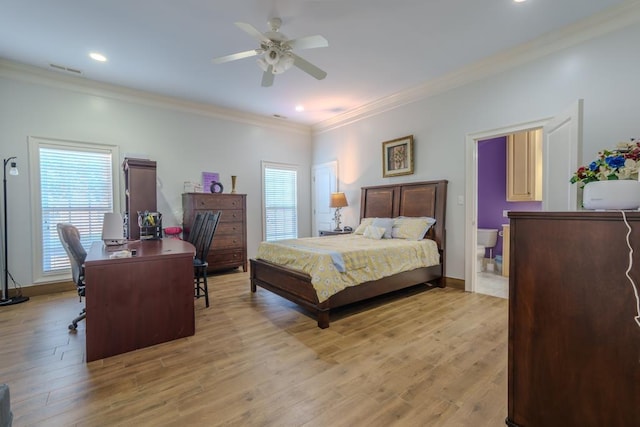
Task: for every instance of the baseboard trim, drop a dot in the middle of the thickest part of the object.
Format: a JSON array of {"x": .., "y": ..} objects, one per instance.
[
  {"x": 454, "y": 283},
  {"x": 49, "y": 288}
]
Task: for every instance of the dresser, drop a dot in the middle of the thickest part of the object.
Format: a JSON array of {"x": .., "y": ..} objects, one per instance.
[
  {"x": 574, "y": 347},
  {"x": 229, "y": 247}
]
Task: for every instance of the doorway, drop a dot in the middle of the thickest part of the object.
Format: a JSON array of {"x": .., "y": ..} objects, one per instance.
[
  {"x": 509, "y": 179},
  {"x": 562, "y": 132}
]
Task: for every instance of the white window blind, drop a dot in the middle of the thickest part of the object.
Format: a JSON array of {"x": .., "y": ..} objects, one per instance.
[
  {"x": 76, "y": 187},
  {"x": 280, "y": 183}
]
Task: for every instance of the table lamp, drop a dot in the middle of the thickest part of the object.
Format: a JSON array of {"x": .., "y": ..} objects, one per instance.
[{"x": 338, "y": 201}]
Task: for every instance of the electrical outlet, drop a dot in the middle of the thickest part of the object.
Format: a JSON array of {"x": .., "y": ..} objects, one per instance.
[
  {"x": 505, "y": 213},
  {"x": 461, "y": 200}
]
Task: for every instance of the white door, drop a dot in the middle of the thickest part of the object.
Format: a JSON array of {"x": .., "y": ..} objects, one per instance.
[
  {"x": 324, "y": 182},
  {"x": 562, "y": 154}
]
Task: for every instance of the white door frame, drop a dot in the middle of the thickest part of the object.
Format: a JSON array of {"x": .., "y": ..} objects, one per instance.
[{"x": 471, "y": 191}]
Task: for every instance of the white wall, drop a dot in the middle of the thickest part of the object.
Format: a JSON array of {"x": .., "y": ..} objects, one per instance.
[
  {"x": 183, "y": 141},
  {"x": 605, "y": 72}
]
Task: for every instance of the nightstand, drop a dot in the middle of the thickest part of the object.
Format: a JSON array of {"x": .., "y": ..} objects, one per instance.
[{"x": 333, "y": 233}]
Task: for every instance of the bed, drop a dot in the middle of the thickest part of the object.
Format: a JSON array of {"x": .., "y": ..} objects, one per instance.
[{"x": 417, "y": 199}]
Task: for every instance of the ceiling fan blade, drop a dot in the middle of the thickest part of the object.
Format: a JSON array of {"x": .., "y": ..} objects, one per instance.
[
  {"x": 267, "y": 77},
  {"x": 253, "y": 32},
  {"x": 308, "y": 67},
  {"x": 308, "y": 42},
  {"x": 235, "y": 56}
]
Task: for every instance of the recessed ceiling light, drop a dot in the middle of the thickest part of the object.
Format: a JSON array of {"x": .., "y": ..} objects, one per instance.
[
  {"x": 519, "y": 1},
  {"x": 299, "y": 108},
  {"x": 98, "y": 56}
]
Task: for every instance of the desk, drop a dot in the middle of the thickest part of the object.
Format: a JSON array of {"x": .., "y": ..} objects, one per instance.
[{"x": 139, "y": 301}]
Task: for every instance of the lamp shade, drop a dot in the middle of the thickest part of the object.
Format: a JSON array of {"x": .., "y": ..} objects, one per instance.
[{"x": 338, "y": 200}]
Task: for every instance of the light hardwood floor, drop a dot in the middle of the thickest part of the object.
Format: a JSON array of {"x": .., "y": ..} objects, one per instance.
[{"x": 434, "y": 358}]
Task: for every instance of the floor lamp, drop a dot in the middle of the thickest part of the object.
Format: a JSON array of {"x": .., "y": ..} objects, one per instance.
[{"x": 5, "y": 285}]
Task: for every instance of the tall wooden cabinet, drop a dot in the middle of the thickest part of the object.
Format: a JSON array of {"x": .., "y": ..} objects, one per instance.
[
  {"x": 229, "y": 247},
  {"x": 140, "y": 192},
  {"x": 524, "y": 166},
  {"x": 574, "y": 346}
]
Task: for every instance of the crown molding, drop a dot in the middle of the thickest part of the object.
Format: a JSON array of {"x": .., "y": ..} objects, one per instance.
[
  {"x": 36, "y": 75},
  {"x": 598, "y": 25}
]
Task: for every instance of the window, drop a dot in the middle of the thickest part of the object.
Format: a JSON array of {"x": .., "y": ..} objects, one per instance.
[
  {"x": 280, "y": 206},
  {"x": 74, "y": 183}
]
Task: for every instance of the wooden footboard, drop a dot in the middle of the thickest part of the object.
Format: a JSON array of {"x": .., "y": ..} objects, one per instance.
[{"x": 296, "y": 286}]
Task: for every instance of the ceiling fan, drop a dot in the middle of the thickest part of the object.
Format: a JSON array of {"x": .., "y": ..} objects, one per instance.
[{"x": 276, "y": 50}]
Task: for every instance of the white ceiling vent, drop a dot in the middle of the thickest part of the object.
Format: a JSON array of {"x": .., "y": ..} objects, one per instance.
[{"x": 65, "y": 69}]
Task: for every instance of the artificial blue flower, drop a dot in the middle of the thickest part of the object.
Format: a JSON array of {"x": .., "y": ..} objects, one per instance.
[{"x": 615, "y": 162}]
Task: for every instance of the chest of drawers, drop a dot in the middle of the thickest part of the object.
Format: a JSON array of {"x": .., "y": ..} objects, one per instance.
[
  {"x": 573, "y": 343},
  {"x": 229, "y": 247}
]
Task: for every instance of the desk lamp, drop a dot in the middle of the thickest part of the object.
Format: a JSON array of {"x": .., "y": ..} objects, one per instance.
[
  {"x": 338, "y": 201},
  {"x": 5, "y": 285}
]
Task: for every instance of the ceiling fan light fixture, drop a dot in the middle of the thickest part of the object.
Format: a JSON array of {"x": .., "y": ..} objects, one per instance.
[
  {"x": 272, "y": 56},
  {"x": 285, "y": 62}
]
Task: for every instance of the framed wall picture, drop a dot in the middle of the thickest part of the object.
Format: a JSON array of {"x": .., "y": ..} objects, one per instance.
[{"x": 397, "y": 157}]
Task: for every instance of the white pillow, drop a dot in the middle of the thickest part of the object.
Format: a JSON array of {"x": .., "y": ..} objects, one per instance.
[
  {"x": 411, "y": 228},
  {"x": 386, "y": 223},
  {"x": 373, "y": 232},
  {"x": 363, "y": 225}
]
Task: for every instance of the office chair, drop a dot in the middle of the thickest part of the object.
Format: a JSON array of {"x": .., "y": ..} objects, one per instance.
[
  {"x": 70, "y": 239},
  {"x": 202, "y": 244}
]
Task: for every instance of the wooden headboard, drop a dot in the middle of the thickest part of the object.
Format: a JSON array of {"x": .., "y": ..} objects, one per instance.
[{"x": 427, "y": 198}]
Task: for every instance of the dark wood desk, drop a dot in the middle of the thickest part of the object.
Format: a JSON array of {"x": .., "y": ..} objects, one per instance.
[{"x": 139, "y": 301}]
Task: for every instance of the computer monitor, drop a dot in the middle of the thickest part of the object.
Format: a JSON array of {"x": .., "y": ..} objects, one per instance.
[{"x": 113, "y": 229}]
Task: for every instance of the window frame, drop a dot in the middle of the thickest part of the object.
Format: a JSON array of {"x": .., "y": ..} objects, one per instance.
[
  {"x": 281, "y": 166},
  {"x": 35, "y": 143}
]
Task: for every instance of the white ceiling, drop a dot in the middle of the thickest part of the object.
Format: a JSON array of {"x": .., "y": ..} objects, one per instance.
[{"x": 376, "y": 47}]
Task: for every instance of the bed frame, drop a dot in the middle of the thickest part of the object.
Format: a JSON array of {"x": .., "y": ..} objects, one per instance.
[{"x": 384, "y": 201}]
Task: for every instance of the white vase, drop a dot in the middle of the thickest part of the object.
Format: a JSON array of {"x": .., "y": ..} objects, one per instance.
[{"x": 615, "y": 194}]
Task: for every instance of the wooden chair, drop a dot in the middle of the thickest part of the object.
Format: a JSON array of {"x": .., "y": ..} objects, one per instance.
[
  {"x": 203, "y": 243},
  {"x": 196, "y": 227}
]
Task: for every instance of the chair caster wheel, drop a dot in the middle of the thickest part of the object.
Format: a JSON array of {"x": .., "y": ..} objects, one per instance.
[{"x": 72, "y": 327}]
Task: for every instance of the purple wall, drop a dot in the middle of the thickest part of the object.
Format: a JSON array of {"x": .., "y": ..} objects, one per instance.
[{"x": 492, "y": 188}]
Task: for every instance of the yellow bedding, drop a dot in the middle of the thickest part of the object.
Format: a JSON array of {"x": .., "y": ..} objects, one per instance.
[{"x": 336, "y": 262}]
